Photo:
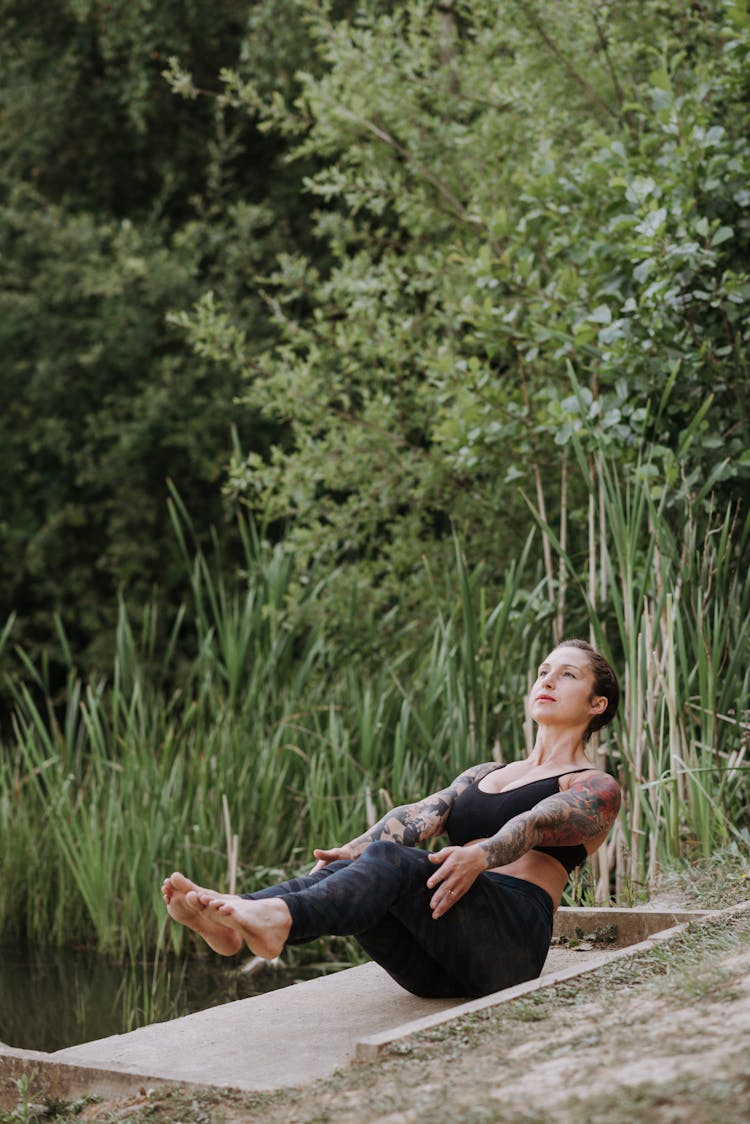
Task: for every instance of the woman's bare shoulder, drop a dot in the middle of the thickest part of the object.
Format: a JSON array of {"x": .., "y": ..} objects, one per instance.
[
  {"x": 593, "y": 776},
  {"x": 594, "y": 788},
  {"x": 476, "y": 772},
  {"x": 470, "y": 776}
]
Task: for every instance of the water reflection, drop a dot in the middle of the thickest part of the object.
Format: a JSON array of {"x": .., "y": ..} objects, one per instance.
[{"x": 51, "y": 998}]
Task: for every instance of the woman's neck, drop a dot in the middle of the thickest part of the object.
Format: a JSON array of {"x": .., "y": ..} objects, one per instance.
[{"x": 557, "y": 748}]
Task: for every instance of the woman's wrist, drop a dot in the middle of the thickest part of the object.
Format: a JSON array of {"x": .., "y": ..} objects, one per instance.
[
  {"x": 479, "y": 856},
  {"x": 512, "y": 841}
]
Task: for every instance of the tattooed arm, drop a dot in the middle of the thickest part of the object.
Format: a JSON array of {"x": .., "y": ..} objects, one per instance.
[
  {"x": 583, "y": 813},
  {"x": 409, "y": 824}
]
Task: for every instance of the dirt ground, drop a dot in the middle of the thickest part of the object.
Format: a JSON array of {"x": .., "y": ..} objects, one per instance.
[{"x": 661, "y": 1036}]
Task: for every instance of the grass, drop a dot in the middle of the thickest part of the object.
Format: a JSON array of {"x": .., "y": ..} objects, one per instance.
[{"x": 721, "y": 880}]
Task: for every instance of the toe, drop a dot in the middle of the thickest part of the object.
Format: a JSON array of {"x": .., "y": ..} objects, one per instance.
[{"x": 180, "y": 883}]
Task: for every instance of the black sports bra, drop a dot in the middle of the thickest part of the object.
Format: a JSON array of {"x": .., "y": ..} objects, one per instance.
[{"x": 478, "y": 815}]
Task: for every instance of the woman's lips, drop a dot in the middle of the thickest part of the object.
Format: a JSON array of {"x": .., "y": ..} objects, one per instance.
[{"x": 545, "y": 698}]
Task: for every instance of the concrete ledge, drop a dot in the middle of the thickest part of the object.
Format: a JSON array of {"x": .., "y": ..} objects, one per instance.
[
  {"x": 307, "y": 1031},
  {"x": 49, "y": 1079},
  {"x": 282, "y": 1038},
  {"x": 628, "y": 925}
]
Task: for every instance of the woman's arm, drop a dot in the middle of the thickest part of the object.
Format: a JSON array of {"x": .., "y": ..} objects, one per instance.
[
  {"x": 409, "y": 824},
  {"x": 584, "y": 812}
]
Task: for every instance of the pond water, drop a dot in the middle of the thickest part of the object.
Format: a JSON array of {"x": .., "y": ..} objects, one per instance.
[{"x": 51, "y": 998}]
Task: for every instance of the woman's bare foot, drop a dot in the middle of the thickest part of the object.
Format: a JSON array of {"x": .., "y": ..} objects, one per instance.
[
  {"x": 263, "y": 924},
  {"x": 180, "y": 898}
]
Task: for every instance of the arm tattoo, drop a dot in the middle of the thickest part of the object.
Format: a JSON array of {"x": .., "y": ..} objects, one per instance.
[
  {"x": 410, "y": 824},
  {"x": 585, "y": 811}
]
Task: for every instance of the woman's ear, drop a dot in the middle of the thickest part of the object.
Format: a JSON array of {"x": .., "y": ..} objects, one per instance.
[{"x": 599, "y": 704}]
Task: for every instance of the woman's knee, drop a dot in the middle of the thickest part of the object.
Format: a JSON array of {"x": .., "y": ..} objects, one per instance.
[
  {"x": 381, "y": 849},
  {"x": 406, "y": 859}
]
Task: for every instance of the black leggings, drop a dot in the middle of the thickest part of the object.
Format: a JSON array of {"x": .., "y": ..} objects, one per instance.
[{"x": 496, "y": 935}]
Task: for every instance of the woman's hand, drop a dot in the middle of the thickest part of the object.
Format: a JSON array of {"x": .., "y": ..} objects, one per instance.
[
  {"x": 326, "y": 857},
  {"x": 458, "y": 867}
]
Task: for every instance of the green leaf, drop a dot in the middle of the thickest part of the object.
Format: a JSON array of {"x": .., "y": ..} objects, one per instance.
[
  {"x": 723, "y": 234},
  {"x": 601, "y": 314},
  {"x": 660, "y": 78}
]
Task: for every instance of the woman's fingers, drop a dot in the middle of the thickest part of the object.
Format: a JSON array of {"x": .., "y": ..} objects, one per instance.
[
  {"x": 458, "y": 867},
  {"x": 439, "y": 857},
  {"x": 448, "y": 885},
  {"x": 323, "y": 857},
  {"x": 326, "y": 857},
  {"x": 443, "y": 899},
  {"x": 443, "y": 854}
]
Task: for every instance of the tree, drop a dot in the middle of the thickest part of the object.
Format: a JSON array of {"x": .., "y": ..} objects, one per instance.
[
  {"x": 121, "y": 204},
  {"x": 533, "y": 222}
]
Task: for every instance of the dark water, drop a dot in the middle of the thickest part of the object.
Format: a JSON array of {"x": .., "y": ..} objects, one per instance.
[{"x": 51, "y": 998}]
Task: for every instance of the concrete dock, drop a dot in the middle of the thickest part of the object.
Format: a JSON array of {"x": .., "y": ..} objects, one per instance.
[{"x": 307, "y": 1031}]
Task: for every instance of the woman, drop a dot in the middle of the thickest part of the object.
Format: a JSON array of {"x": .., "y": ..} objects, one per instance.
[{"x": 473, "y": 917}]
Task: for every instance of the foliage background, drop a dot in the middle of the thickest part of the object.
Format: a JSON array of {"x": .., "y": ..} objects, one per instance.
[{"x": 380, "y": 245}]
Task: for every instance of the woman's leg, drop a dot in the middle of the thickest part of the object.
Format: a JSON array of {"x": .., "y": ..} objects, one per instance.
[
  {"x": 405, "y": 959},
  {"x": 388, "y": 942},
  {"x": 185, "y": 902},
  {"x": 296, "y": 885},
  {"x": 496, "y": 935}
]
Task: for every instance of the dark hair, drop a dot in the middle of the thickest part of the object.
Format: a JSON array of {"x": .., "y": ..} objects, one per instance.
[{"x": 605, "y": 683}]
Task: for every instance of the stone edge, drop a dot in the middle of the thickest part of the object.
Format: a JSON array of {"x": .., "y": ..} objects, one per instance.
[{"x": 69, "y": 1082}]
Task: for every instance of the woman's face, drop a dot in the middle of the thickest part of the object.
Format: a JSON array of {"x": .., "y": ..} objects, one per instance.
[{"x": 562, "y": 694}]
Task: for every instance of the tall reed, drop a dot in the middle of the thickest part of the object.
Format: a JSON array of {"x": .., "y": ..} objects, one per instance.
[
  {"x": 667, "y": 594},
  {"x": 258, "y": 738}
]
